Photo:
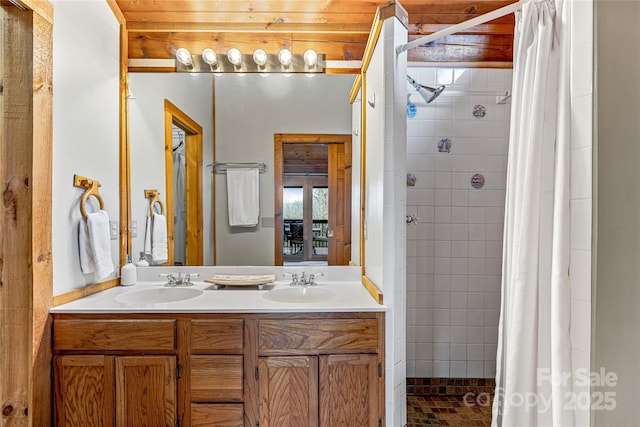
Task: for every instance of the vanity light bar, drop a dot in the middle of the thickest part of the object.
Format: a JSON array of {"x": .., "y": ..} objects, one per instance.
[{"x": 256, "y": 62}]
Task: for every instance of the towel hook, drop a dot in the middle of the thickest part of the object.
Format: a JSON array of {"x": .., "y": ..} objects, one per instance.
[
  {"x": 91, "y": 189},
  {"x": 153, "y": 194}
]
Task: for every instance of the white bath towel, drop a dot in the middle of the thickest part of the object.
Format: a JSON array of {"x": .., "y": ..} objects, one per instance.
[
  {"x": 100, "y": 240},
  {"x": 86, "y": 255},
  {"x": 243, "y": 197},
  {"x": 159, "y": 251}
]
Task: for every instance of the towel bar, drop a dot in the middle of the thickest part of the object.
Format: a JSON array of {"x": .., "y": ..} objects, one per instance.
[
  {"x": 153, "y": 194},
  {"x": 222, "y": 167},
  {"x": 91, "y": 189}
]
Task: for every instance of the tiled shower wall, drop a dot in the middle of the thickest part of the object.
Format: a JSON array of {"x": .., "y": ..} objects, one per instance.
[{"x": 454, "y": 250}]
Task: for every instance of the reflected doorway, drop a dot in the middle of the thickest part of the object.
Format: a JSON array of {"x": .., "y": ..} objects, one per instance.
[
  {"x": 183, "y": 178},
  {"x": 312, "y": 175}
]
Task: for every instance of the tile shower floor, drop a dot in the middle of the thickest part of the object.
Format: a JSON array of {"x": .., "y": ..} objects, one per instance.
[{"x": 446, "y": 411}]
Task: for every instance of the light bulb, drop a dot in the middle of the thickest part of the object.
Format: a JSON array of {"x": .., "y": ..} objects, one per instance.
[
  {"x": 209, "y": 57},
  {"x": 285, "y": 57},
  {"x": 310, "y": 58},
  {"x": 184, "y": 56},
  {"x": 234, "y": 56},
  {"x": 260, "y": 57}
]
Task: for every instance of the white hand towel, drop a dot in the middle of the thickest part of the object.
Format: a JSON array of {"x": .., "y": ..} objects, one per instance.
[
  {"x": 243, "y": 197},
  {"x": 159, "y": 252},
  {"x": 100, "y": 239},
  {"x": 147, "y": 237},
  {"x": 86, "y": 255}
]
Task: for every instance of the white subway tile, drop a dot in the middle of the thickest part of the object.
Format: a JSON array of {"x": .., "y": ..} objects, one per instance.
[
  {"x": 477, "y": 232},
  {"x": 443, "y": 180},
  {"x": 443, "y": 248},
  {"x": 441, "y": 317},
  {"x": 459, "y": 266},
  {"x": 476, "y": 300},
  {"x": 496, "y": 163},
  {"x": 441, "y": 334},
  {"x": 582, "y": 121},
  {"x": 443, "y": 162},
  {"x": 458, "y": 369},
  {"x": 443, "y": 215},
  {"x": 443, "y": 197},
  {"x": 475, "y": 351},
  {"x": 491, "y": 317},
  {"x": 425, "y": 334},
  {"x": 442, "y": 266},
  {"x": 493, "y": 283},
  {"x": 442, "y": 300},
  {"x": 459, "y": 300},
  {"x": 581, "y": 325},
  {"x": 582, "y": 69},
  {"x": 490, "y": 335},
  {"x": 441, "y": 351},
  {"x": 581, "y": 224},
  {"x": 476, "y": 283},
  {"x": 490, "y": 372},
  {"x": 493, "y": 249},
  {"x": 460, "y": 198},
  {"x": 444, "y": 112},
  {"x": 476, "y": 266},
  {"x": 460, "y": 249},
  {"x": 476, "y": 249},
  {"x": 442, "y": 283},
  {"x": 458, "y": 317},
  {"x": 477, "y": 215},
  {"x": 458, "y": 334},
  {"x": 581, "y": 183},
  {"x": 477, "y": 163},
  {"x": 424, "y": 368},
  {"x": 440, "y": 369},
  {"x": 459, "y": 215},
  {"x": 444, "y": 76},
  {"x": 442, "y": 232},
  {"x": 475, "y": 335},
  {"x": 458, "y": 351},
  {"x": 477, "y": 198},
  {"x": 426, "y": 214},
  {"x": 460, "y": 232},
  {"x": 475, "y": 317},
  {"x": 460, "y": 181},
  {"x": 580, "y": 275},
  {"x": 458, "y": 284}
]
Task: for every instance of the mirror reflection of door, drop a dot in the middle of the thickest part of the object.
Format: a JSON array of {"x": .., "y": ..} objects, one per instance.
[
  {"x": 179, "y": 196},
  {"x": 312, "y": 199},
  {"x": 183, "y": 173}
]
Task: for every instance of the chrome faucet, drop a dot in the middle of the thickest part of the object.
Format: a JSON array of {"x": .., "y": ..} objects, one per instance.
[
  {"x": 302, "y": 280},
  {"x": 179, "y": 279}
]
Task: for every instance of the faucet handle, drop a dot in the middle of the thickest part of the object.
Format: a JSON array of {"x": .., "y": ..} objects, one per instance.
[
  {"x": 188, "y": 277},
  {"x": 294, "y": 278},
  {"x": 312, "y": 278},
  {"x": 171, "y": 279}
]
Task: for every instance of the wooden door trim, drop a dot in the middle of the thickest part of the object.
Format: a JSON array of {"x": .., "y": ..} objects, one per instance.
[
  {"x": 193, "y": 182},
  {"x": 279, "y": 139}
]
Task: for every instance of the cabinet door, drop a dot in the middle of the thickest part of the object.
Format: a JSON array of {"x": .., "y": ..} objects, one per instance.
[
  {"x": 84, "y": 391},
  {"x": 349, "y": 390},
  {"x": 146, "y": 391},
  {"x": 288, "y": 391}
]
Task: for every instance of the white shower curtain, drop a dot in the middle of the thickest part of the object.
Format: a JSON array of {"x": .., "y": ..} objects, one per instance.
[{"x": 534, "y": 343}]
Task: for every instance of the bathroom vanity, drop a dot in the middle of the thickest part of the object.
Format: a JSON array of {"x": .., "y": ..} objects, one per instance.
[{"x": 221, "y": 358}]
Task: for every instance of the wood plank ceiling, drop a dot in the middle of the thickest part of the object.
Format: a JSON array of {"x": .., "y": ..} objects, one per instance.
[{"x": 337, "y": 28}]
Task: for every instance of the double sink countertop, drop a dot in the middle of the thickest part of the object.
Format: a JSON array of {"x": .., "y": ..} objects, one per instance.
[{"x": 338, "y": 289}]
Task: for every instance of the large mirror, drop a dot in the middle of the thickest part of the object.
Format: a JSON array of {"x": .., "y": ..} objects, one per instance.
[{"x": 179, "y": 123}]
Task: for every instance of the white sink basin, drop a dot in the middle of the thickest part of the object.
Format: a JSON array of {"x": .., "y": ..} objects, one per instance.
[
  {"x": 158, "y": 295},
  {"x": 300, "y": 294}
]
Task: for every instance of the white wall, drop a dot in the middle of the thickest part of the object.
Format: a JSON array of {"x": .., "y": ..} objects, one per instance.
[
  {"x": 385, "y": 194},
  {"x": 454, "y": 251},
  {"x": 250, "y": 109},
  {"x": 356, "y": 159},
  {"x": 85, "y": 127},
  {"x": 192, "y": 94}
]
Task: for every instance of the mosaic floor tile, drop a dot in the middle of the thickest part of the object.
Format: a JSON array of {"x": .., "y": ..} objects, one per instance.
[{"x": 450, "y": 411}]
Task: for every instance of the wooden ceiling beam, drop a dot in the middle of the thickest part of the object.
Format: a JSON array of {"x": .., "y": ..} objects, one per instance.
[
  {"x": 226, "y": 27},
  {"x": 465, "y": 48}
]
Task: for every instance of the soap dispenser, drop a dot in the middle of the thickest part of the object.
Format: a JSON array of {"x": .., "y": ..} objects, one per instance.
[
  {"x": 128, "y": 275},
  {"x": 142, "y": 262}
]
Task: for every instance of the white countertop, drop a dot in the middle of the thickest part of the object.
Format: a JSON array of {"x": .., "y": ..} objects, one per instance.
[{"x": 349, "y": 296}]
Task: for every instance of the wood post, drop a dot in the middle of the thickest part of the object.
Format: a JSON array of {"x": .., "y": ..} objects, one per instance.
[{"x": 25, "y": 226}]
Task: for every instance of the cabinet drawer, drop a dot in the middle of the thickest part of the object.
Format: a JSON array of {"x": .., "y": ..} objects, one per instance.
[
  {"x": 114, "y": 335},
  {"x": 216, "y": 415},
  {"x": 224, "y": 336},
  {"x": 281, "y": 337},
  {"x": 216, "y": 378}
]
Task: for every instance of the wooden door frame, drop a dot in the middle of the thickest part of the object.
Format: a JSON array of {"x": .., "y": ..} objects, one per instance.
[
  {"x": 279, "y": 139},
  {"x": 193, "y": 182}
]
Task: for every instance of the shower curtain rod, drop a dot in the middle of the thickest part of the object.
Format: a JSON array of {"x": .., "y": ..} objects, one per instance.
[{"x": 478, "y": 20}]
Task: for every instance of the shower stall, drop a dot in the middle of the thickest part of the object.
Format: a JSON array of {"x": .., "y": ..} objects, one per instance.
[{"x": 456, "y": 163}]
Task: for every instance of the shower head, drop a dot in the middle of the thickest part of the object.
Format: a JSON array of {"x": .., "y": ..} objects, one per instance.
[{"x": 427, "y": 93}]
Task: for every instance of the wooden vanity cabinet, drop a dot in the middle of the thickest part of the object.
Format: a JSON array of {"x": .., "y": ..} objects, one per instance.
[
  {"x": 219, "y": 370},
  {"x": 110, "y": 381},
  {"x": 326, "y": 373}
]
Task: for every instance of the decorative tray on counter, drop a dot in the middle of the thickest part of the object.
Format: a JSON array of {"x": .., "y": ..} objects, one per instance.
[{"x": 221, "y": 280}]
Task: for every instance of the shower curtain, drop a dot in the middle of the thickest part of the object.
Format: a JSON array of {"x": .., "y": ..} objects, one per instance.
[{"x": 534, "y": 345}]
